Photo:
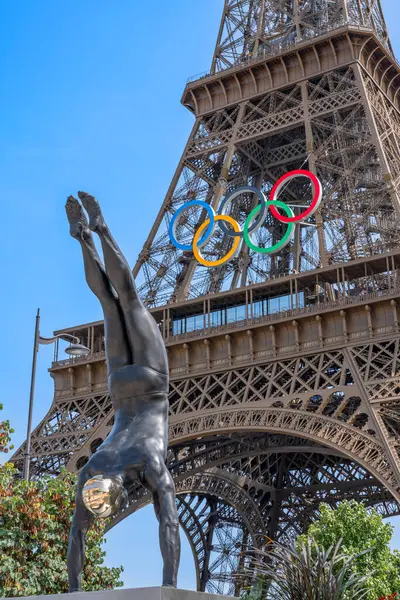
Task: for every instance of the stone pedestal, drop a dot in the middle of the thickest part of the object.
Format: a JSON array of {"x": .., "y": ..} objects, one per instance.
[{"x": 148, "y": 593}]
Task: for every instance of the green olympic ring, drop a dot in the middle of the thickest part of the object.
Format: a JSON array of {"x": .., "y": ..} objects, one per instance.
[{"x": 288, "y": 233}]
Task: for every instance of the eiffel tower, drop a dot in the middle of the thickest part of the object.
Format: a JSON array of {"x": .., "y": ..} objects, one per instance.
[{"x": 285, "y": 368}]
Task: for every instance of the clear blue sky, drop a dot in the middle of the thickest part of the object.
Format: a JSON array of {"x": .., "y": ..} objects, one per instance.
[{"x": 89, "y": 99}]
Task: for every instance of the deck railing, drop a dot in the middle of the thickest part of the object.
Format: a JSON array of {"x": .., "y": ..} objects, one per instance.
[{"x": 291, "y": 313}]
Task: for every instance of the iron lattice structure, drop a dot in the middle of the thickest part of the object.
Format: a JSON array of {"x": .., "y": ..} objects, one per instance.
[{"x": 285, "y": 369}]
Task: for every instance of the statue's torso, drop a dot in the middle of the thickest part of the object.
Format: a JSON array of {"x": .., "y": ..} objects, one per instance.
[
  {"x": 135, "y": 381},
  {"x": 139, "y": 397}
]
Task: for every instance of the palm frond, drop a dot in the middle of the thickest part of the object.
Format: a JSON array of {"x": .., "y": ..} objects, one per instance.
[{"x": 308, "y": 572}]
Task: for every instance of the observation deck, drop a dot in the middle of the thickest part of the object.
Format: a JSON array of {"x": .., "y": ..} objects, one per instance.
[
  {"x": 297, "y": 312},
  {"x": 290, "y": 64}
]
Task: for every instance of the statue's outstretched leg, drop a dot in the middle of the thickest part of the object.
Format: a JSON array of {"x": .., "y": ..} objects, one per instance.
[
  {"x": 144, "y": 336},
  {"x": 159, "y": 481},
  {"x": 117, "y": 346}
]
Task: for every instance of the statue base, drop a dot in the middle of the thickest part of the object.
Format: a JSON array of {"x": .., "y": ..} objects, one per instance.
[{"x": 147, "y": 593}]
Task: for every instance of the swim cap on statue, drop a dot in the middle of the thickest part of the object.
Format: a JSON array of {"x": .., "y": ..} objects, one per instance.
[{"x": 104, "y": 495}]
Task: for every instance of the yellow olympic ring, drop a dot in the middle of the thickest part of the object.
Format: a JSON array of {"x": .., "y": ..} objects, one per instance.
[{"x": 221, "y": 261}]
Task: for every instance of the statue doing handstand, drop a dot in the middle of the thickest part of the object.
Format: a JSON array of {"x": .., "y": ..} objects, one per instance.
[{"x": 136, "y": 447}]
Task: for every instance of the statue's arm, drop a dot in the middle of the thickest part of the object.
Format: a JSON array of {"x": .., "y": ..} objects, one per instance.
[{"x": 81, "y": 522}]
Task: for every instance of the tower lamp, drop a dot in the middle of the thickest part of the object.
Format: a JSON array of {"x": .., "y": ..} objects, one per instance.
[{"x": 75, "y": 349}]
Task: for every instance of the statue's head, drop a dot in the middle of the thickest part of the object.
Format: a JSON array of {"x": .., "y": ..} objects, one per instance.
[{"x": 104, "y": 495}]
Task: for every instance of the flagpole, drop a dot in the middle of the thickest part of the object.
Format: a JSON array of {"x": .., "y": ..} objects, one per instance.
[{"x": 27, "y": 456}]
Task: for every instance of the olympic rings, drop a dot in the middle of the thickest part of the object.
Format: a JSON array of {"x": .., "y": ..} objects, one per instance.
[{"x": 251, "y": 223}]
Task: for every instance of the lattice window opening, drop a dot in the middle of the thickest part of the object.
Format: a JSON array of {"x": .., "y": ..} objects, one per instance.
[
  {"x": 95, "y": 444},
  {"x": 378, "y": 361},
  {"x": 207, "y": 165},
  {"x": 350, "y": 408},
  {"x": 272, "y": 104},
  {"x": 296, "y": 403},
  {"x": 53, "y": 423},
  {"x": 314, "y": 403},
  {"x": 360, "y": 420},
  {"x": 333, "y": 403},
  {"x": 81, "y": 462},
  {"x": 278, "y": 404},
  {"x": 282, "y": 145},
  {"x": 220, "y": 120},
  {"x": 88, "y": 422},
  {"x": 330, "y": 83}
]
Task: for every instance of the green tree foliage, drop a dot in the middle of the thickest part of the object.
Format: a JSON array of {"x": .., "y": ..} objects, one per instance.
[
  {"x": 306, "y": 571},
  {"x": 360, "y": 530},
  {"x": 5, "y": 435},
  {"x": 35, "y": 519}
]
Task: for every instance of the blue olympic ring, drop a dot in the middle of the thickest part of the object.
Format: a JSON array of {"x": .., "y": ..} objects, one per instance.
[{"x": 174, "y": 223}]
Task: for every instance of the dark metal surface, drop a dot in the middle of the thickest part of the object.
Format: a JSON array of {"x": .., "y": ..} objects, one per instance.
[{"x": 136, "y": 449}]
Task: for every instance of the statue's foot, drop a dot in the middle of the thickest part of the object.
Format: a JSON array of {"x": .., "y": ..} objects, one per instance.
[
  {"x": 78, "y": 225},
  {"x": 96, "y": 220}
]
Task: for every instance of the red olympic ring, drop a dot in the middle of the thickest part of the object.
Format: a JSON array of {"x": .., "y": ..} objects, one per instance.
[{"x": 274, "y": 195}]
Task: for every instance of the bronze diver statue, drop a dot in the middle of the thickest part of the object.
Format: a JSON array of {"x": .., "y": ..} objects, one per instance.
[{"x": 137, "y": 365}]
